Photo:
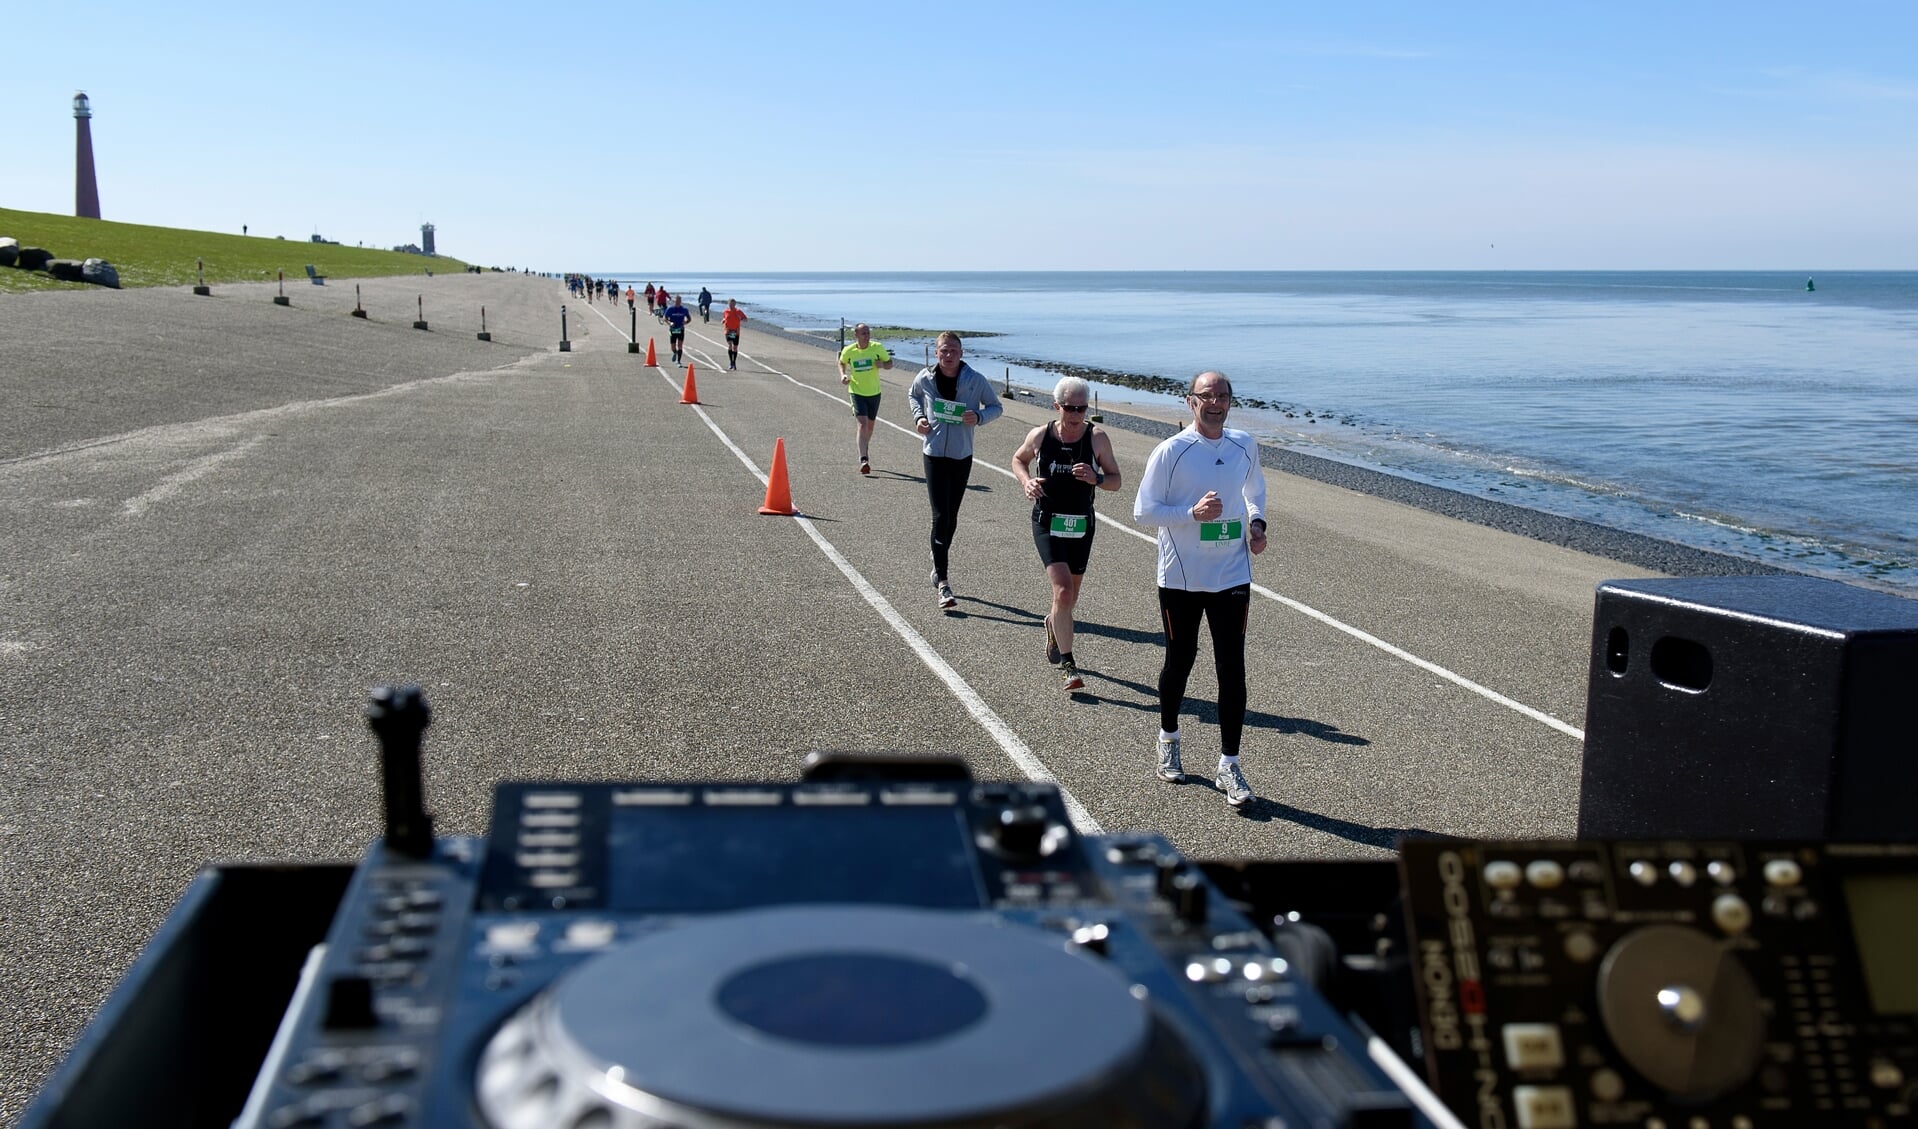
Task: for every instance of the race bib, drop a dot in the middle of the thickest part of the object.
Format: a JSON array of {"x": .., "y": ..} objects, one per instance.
[
  {"x": 948, "y": 411},
  {"x": 1221, "y": 530},
  {"x": 1069, "y": 525}
]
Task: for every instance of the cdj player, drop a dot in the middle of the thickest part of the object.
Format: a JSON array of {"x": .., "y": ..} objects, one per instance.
[
  {"x": 854, "y": 949},
  {"x": 1667, "y": 985}
]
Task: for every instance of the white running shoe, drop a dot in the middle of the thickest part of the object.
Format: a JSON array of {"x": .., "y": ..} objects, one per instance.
[
  {"x": 1169, "y": 768},
  {"x": 1231, "y": 781}
]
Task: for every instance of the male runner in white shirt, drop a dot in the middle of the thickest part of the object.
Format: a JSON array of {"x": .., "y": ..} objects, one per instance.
[{"x": 1204, "y": 490}]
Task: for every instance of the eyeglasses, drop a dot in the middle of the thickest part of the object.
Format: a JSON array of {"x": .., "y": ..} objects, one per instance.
[
  {"x": 1212, "y": 398},
  {"x": 1075, "y": 409}
]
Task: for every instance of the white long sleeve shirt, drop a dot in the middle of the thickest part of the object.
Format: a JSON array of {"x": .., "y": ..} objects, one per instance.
[{"x": 1180, "y": 472}]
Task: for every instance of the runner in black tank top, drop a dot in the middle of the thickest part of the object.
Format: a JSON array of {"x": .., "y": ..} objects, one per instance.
[{"x": 1059, "y": 475}]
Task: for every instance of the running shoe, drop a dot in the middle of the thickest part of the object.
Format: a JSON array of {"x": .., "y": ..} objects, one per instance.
[
  {"x": 1169, "y": 768},
  {"x": 1231, "y": 781},
  {"x": 946, "y": 598},
  {"x": 1052, "y": 644},
  {"x": 865, "y": 466},
  {"x": 1069, "y": 674}
]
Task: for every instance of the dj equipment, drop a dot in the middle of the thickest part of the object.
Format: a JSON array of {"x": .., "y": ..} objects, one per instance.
[
  {"x": 840, "y": 951},
  {"x": 1668, "y": 984},
  {"x": 1749, "y": 706}
]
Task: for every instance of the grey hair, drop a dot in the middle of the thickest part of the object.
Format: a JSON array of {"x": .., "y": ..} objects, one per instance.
[{"x": 1068, "y": 385}]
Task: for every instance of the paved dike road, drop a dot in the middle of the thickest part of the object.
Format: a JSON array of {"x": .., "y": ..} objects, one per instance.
[{"x": 224, "y": 520}]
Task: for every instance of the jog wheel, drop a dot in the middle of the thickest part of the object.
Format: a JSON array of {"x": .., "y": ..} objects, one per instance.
[
  {"x": 1682, "y": 1011},
  {"x": 839, "y": 1016}
]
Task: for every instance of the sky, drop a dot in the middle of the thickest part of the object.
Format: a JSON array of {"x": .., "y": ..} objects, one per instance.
[{"x": 749, "y": 136}]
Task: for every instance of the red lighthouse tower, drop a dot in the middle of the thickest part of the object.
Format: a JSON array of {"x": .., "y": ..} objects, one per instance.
[{"x": 86, "y": 192}]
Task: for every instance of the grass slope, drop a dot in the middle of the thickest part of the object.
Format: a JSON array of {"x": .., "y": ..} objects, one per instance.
[{"x": 164, "y": 256}]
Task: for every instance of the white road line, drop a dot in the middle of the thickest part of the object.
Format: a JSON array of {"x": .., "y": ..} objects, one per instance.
[
  {"x": 199, "y": 468},
  {"x": 1008, "y": 741},
  {"x": 1363, "y": 636}
]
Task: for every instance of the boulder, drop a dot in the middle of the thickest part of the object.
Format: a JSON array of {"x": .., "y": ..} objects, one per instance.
[
  {"x": 66, "y": 270},
  {"x": 100, "y": 273},
  {"x": 34, "y": 258},
  {"x": 9, "y": 250}
]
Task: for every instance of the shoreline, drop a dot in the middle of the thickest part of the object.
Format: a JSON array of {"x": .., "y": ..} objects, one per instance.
[{"x": 1636, "y": 549}]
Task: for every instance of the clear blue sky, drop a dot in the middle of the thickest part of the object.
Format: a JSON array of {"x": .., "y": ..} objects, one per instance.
[{"x": 994, "y": 136}]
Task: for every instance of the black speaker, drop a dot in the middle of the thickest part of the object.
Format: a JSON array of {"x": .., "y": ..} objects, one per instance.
[{"x": 1752, "y": 707}]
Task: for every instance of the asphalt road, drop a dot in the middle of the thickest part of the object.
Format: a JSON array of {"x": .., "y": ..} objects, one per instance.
[{"x": 222, "y": 521}]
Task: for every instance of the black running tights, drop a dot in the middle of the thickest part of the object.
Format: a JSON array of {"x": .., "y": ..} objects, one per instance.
[
  {"x": 1226, "y": 612},
  {"x": 945, "y": 487}
]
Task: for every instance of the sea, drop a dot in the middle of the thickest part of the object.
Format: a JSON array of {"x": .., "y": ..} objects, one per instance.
[{"x": 1771, "y": 416}]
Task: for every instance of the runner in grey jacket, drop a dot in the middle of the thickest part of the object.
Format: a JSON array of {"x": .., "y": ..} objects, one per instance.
[{"x": 948, "y": 400}]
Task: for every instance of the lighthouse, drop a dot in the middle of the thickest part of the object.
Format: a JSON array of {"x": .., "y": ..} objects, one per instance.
[{"x": 86, "y": 191}]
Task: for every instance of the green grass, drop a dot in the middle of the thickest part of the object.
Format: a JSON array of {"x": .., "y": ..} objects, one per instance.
[{"x": 164, "y": 256}]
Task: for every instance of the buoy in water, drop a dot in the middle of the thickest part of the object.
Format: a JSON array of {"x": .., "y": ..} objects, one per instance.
[{"x": 1809, "y": 286}]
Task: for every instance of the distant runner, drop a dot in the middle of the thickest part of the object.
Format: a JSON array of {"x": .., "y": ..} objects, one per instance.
[
  {"x": 732, "y": 318},
  {"x": 705, "y": 304},
  {"x": 649, "y": 298},
  {"x": 859, "y": 365},
  {"x": 1073, "y": 458},
  {"x": 1204, "y": 490},
  {"x": 677, "y": 315}
]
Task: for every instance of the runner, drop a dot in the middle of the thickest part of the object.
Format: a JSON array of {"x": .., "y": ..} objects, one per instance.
[
  {"x": 732, "y": 318},
  {"x": 705, "y": 304},
  {"x": 859, "y": 365},
  {"x": 650, "y": 292},
  {"x": 948, "y": 400},
  {"x": 1074, "y": 459},
  {"x": 677, "y": 315},
  {"x": 1204, "y": 490},
  {"x": 631, "y": 298}
]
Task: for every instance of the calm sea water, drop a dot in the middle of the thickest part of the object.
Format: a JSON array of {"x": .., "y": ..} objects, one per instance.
[{"x": 1736, "y": 411}]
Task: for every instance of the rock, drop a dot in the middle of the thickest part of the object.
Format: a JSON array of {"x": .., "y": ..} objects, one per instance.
[
  {"x": 100, "y": 273},
  {"x": 34, "y": 258},
  {"x": 9, "y": 250},
  {"x": 66, "y": 270}
]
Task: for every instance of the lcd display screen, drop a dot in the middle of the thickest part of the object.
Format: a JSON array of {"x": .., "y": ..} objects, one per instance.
[
  {"x": 700, "y": 859},
  {"x": 1884, "y": 919}
]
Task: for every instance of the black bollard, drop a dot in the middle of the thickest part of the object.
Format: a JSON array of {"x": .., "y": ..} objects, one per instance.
[
  {"x": 421, "y": 323},
  {"x": 633, "y": 345},
  {"x": 483, "y": 335},
  {"x": 281, "y": 299},
  {"x": 203, "y": 290},
  {"x": 565, "y": 346},
  {"x": 359, "y": 311}
]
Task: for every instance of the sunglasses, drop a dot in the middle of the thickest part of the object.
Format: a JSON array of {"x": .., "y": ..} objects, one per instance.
[{"x": 1075, "y": 409}]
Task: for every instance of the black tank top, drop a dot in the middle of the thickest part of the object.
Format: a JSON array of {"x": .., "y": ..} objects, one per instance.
[{"x": 1064, "y": 493}]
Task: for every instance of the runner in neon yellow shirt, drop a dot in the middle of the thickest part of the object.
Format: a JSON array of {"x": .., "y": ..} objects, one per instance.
[{"x": 859, "y": 365}]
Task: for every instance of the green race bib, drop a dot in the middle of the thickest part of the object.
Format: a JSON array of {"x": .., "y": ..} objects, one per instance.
[
  {"x": 1221, "y": 530},
  {"x": 1069, "y": 525},
  {"x": 948, "y": 411}
]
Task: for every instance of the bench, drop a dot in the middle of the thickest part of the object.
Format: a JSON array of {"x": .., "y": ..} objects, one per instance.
[{"x": 318, "y": 278}]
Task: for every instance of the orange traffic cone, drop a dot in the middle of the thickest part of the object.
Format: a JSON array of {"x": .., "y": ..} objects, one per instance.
[
  {"x": 779, "y": 495},
  {"x": 652, "y": 358},
  {"x": 691, "y": 394}
]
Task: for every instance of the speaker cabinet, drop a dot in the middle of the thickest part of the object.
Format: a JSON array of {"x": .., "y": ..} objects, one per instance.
[{"x": 1751, "y": 706}]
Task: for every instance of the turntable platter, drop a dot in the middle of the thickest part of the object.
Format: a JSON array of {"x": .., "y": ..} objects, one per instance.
[{"x": 838, "y": 1015}]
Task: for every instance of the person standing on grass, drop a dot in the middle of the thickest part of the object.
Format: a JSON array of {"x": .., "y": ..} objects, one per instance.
[
  {"x": 859, "y": 365},
  {"x": 732, "y": 319},
  {"x": 949, "y": 399},
  {"x": 1205, "y": 491},
  {"x": 1059, "y": 466}
]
